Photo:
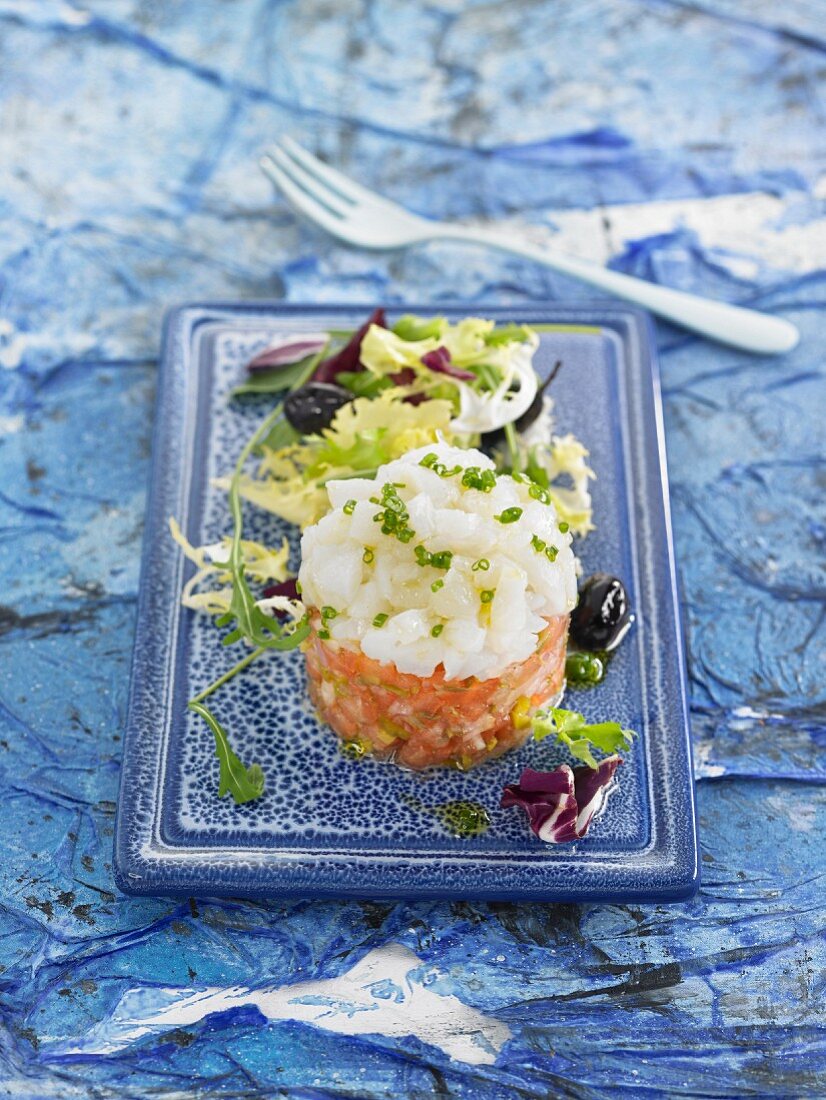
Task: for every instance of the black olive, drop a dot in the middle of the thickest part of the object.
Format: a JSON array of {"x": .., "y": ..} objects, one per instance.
[
  {"x": 312, "y": 407},
  {"x": 602, "y": 616}
]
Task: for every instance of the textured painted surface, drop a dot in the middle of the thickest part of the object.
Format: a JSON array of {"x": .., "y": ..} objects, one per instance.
[{"x": 678, "y": 140}]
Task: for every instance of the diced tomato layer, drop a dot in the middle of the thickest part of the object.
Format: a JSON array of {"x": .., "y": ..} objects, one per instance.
[{"x": 422, "y": 722}]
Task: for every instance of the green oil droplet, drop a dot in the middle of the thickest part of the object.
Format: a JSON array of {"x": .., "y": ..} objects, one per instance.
[
  {"x": 584, "y": 670},
  {"x": 463, "y": 819}
]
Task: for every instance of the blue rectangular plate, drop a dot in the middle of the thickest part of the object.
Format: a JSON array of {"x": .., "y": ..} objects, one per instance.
[{"x": 327, "y": 826}]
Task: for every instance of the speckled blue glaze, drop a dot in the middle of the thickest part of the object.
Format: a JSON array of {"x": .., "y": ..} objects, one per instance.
[
  {"x": 331, "y": 826},
  {"x": 129, "y": 138}
]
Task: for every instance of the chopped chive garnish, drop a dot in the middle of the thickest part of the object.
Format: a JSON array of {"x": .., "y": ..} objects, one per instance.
[
  {"x": 538, "y": 544},
  {"x": 487, "y": 594},
  {"x": 368, "y": 555},
  {"x": 437, "y": 630},
  {"x": 429, "y": 460},
  {"x": 394, "y": 518},
  {"x": 400, "y": 484},
  {"x": 324, "y": 635},
  {"x": 563, "y": 526},
  {"x": 328, "y": 613},
  {"x": 510, "y": 515},
  {"x": 536, "y": 492},
  {"x": 476, "y": 478},
  {"x": 298, "y": 587},
  {"x": 551, "y": 552},
  {"x": 437, "y": 585},
  {"x": 349, "y": 507},
  {"x": 440, "y": 560},
  {"x": 380, "y": 619},
  {"x": 482, "y": 564}
]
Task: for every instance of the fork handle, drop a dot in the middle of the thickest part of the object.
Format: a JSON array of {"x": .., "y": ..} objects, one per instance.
[{"x": 746, "y": 329}]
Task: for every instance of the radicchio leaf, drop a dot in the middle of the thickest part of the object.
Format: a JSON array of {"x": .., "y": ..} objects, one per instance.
[
  {"x": 348, "y": 359},
  {"x": 438, "y": 360},
  {"x": 405, "y": 377},
  {"x": 286, "y": 588},
  {"x": 289, "y": 350},
  {"x": 561, "y": 804}
]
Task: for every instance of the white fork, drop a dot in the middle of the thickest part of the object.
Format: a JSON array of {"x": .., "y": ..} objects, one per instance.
[{"x": 362, "y": 218}]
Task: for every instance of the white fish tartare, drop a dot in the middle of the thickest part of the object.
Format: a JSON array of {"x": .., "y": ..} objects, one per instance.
[{"x": 439, "y": 595}]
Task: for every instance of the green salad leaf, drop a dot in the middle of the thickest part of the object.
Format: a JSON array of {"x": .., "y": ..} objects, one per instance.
[
  {"x": 362, "y": 383},
  {"x": 249, "y": 620},
  {"x": 364, "y": 434},
  {"x": 410, "y": 327},
  {"x": 571, "y": 730},
  {"x": 276, "y": 380},
  {"x": 279, "y": 379},
  {"x": 507, "y": 334},
  {"x": 242, "y": 782}
]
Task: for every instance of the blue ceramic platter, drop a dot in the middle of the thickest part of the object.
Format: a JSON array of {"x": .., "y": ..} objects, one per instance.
[{"x": 329, "y": 826}]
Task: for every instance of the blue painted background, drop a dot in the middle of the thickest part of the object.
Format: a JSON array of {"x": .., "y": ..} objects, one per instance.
[{"x": 129, "y": 134}]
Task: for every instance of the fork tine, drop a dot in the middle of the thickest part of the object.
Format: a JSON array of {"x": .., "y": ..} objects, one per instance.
[
  {"x": 302, "y": 179},
  {"x": 300, "y": 200},
  {"x": 345, "y": 187}
]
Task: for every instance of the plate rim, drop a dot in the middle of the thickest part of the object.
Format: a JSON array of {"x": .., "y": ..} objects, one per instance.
[{"x": 144, "y": 865}]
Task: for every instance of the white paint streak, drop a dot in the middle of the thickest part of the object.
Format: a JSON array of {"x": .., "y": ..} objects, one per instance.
[
  {"x": 801, "y": 818},
  {"x": 384, "y": 994},
  {"x": 12, "y": 345},
  {"x": 10, "y": 425},
  {"x": 749, "y": 224},
  {"x": 702, "y": 768}
]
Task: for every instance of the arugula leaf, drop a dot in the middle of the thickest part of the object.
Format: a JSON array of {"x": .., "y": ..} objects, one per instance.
[
  {"x": 570, "y": 729},
  {"x": 281, "y": 434},
  {"x": 250, "y": 621},
  {"x": 242, "y": 782}
]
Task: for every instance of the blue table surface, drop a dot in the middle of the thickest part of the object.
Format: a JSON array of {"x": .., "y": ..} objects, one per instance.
[{"x": 680, "y": 141}]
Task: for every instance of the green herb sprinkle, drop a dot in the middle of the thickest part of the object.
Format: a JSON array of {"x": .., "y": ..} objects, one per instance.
[{"x": 510, "y": 515}]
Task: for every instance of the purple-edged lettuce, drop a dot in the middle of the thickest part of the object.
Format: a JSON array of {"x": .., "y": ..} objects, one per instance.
[
  {"x": 288, "y": 350},
  {"x": 561, "y": 804},
  {"x": 348, "y": 359},
  {"x": 439, "y": 361}
]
